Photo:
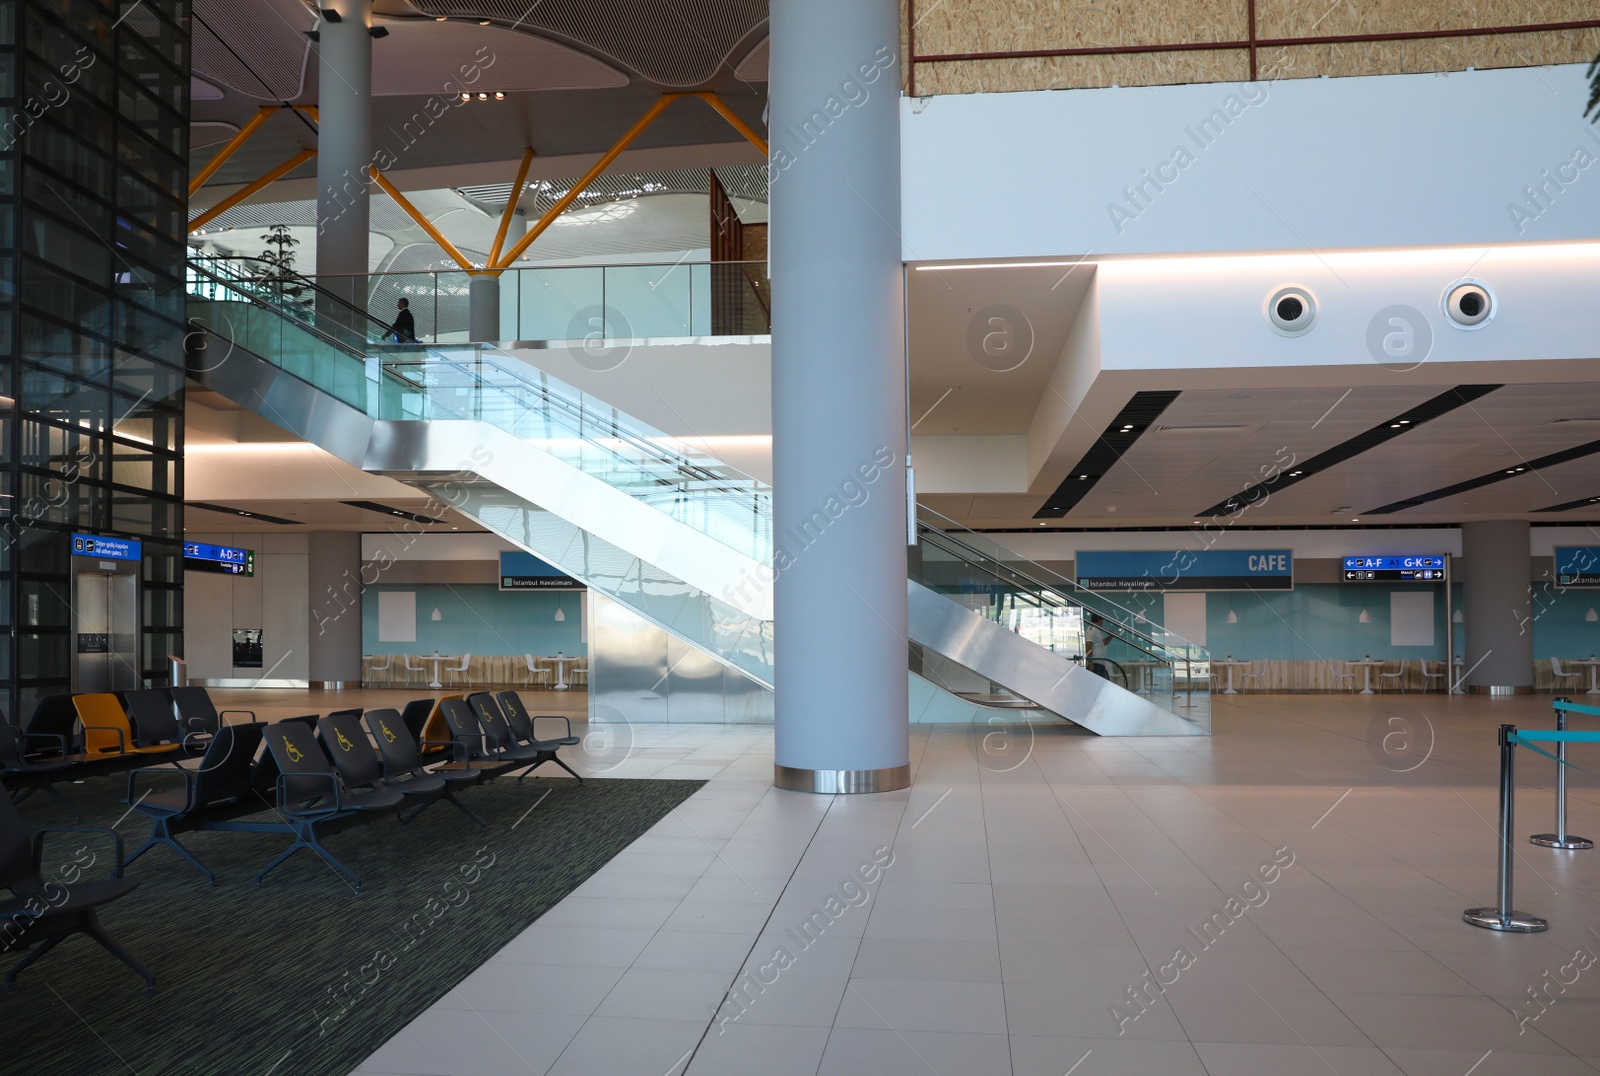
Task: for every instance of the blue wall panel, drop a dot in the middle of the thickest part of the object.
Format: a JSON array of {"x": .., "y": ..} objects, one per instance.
[{"x": 480, "y": 619}]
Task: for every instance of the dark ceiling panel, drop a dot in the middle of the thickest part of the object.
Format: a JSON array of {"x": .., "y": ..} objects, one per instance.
[
  {"x": 1109, "y": 447},
  {"x": 1516, "y": 471},
  {"x": 1397, "y": 426}
]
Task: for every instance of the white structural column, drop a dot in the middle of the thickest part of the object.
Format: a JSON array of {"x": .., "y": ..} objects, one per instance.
[
  {"x": 838, "y": 397},
  {"x": 1495, "y": 606},
  {"x": 344, "y": 139},
  {"x": 483, "y": 310}
]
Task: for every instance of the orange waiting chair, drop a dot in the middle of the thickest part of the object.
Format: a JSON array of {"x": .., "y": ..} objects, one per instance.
[{"x": 107, "y": 732}]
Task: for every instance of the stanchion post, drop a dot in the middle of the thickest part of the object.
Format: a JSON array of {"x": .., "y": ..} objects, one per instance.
[
  {"x": 1503, "y": 917},
  {"x": 1561, "y": 838}
]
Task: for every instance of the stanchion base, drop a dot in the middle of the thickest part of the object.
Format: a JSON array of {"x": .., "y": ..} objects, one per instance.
[
  {"x": 1554, "y": 840},
  {"x": 1514, "y": 922}
]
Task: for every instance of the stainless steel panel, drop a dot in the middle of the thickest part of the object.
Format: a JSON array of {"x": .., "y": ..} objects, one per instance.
[{"x": 1051, "y": 681}]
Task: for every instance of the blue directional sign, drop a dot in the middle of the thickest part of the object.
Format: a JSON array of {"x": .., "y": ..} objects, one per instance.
[
  {"x": 1186, "y": 569},
  {"x": 1406, "y": 568},
  {"x": 524, "y": 571},
  {"x": 104, "y": 547},
  {"x": 199, "y": 556},
  {"x": 1577, "y": 566}
]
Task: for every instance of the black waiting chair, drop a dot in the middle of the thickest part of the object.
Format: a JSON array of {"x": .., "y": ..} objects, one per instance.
[
  {"x": 362, "y": 766},
  {"x": 45, "y": 911},
  {"x": 54, "y": 723},
  {"x": 27, "y": 775},
  {"x": 497, "y": 732},
  {"x": 155, "y": 721},
  {"x": 197, "y": 714},
  {"x": 313, "y": 800},
  {"x": 223, "y": 784},
  {"x": 520, "y": 727},
  {"x": 526, "y": 724},
  {"x": 481, "y": 752},
  {"x": 402, "y": 763},
  {"x": 415, "y": 718}
]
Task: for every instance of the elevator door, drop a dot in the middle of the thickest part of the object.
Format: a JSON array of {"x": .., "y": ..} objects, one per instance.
[{"x": 105, "y": 613}]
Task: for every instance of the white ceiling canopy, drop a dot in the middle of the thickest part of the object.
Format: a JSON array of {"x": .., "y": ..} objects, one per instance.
[
  {"x": 753, "y": 68},
  {"x": 420, "y": 57}
]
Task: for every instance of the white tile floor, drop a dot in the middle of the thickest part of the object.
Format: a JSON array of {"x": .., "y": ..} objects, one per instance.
[{"x": 1023, "y": 903}]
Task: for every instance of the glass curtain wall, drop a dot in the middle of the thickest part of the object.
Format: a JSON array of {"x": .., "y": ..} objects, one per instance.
[{"x": 94, "y": 106}]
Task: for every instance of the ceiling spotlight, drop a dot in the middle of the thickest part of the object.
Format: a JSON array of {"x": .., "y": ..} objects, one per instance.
[
  {"x": 1296, "y": 474},
  {"x": 483, "y": 22},
  {"x": 483, "y": 97},
  {"x": 498, "y": 96},
  {"x": 1394, "y": 425},
  {"x": 466, "y": 97},
  {"x": 1405, "y": 422},
  {"x": 1082, "y": 477},
  {"x": 440, "y": 18}
]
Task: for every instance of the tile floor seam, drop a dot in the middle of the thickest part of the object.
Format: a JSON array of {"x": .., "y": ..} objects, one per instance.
[
  {"x": 833, "y": 1025},
  {"x": 688, "y": 1061},
  {"x": 716, "y": 855},
  {"x": 988, "y": 860}
]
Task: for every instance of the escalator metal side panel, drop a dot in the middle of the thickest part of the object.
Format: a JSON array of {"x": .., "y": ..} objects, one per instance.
[
  {"x": 1054, "y": 683},
  {"x": 301, "y": 408}
]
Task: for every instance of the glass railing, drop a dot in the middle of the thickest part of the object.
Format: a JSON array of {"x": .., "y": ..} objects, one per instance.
[
  {"x": 569, "y": 302},
  {"x": 481, "y": 383},
  {"x": 1053, "y": 612}
]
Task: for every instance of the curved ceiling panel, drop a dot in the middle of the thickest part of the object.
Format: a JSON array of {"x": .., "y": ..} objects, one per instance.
[
  {"x": 201, "y": 90},
  {"x": 421, "y": 57},
  {"x": 210, "y": 133},
  {"x": 269, "y": 33},
  {"x": 676, "y": 43},
  {"x": 753, "y": 68}
]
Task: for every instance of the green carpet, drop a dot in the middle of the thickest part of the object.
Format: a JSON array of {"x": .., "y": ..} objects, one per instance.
[{"x": 303, "y": 976}]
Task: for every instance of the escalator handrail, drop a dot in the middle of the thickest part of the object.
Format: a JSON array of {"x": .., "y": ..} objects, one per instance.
[
  {"x": 297, "y": 279},
  {"x": 256, "y": 300},
  {"x": 982, "y": 561}
]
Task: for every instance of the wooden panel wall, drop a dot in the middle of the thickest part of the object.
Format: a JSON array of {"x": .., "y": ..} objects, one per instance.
[{"x": 970, "y": 46}]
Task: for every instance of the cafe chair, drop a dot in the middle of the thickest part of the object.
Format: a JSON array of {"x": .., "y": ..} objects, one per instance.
[{"x": 1560, "y": 673}]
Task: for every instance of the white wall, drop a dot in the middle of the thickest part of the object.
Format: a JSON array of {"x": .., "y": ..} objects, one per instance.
[
  {"x": 276, "y": 599},
  {"x": 1378, "y": 161}
]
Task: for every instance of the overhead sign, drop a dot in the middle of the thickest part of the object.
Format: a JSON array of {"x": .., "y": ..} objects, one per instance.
[
  {"x": 1187, "y": 569},
  {"x": 198, "y": 556},
  {"x": 105, "y": 548},
  {"x": 524, "y": 571},
  {"x": 1577, "y": 566},
  {"x": 1402, "y": 569}
]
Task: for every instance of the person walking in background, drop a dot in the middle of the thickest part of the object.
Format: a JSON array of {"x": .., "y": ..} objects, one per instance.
[{"x": 404, "y": 329}]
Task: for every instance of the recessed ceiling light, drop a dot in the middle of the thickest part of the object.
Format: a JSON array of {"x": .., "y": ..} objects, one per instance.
[
  {"x": 483, "y": 22},
  {"x": 1405, "y": 422},
  {"x": 1394, "y": 425},
  {"x": 440, "y": 18},
  {"x": 483, "y": 97},
  {"x": 466, "y": 97},
  {"x": 499, "y": 96},
  {"x": 1082, "y": 477}
]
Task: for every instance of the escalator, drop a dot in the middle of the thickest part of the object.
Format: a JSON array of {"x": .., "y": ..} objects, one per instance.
[{"x": 676, "y": 536}]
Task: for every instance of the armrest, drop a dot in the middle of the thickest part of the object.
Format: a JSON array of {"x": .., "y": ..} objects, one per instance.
[
  {"x": 457, "y": 748},
  {"x": 122, "y": 739},
  {"x": 550, "y": 717},
  {"x": 38, "y": 844},
  {"x": 61, "y": 742},
  {"x": 188, "y": 783},
  {"x": 332, "y": 779},
  {"x": 222, "y": 716}
]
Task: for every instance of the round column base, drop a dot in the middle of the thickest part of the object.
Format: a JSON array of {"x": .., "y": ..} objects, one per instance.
[
  {"x": 1555, "y": 840},
  {"x": 1512, "y": 922},
  {"x": 830, "y": 782}
]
